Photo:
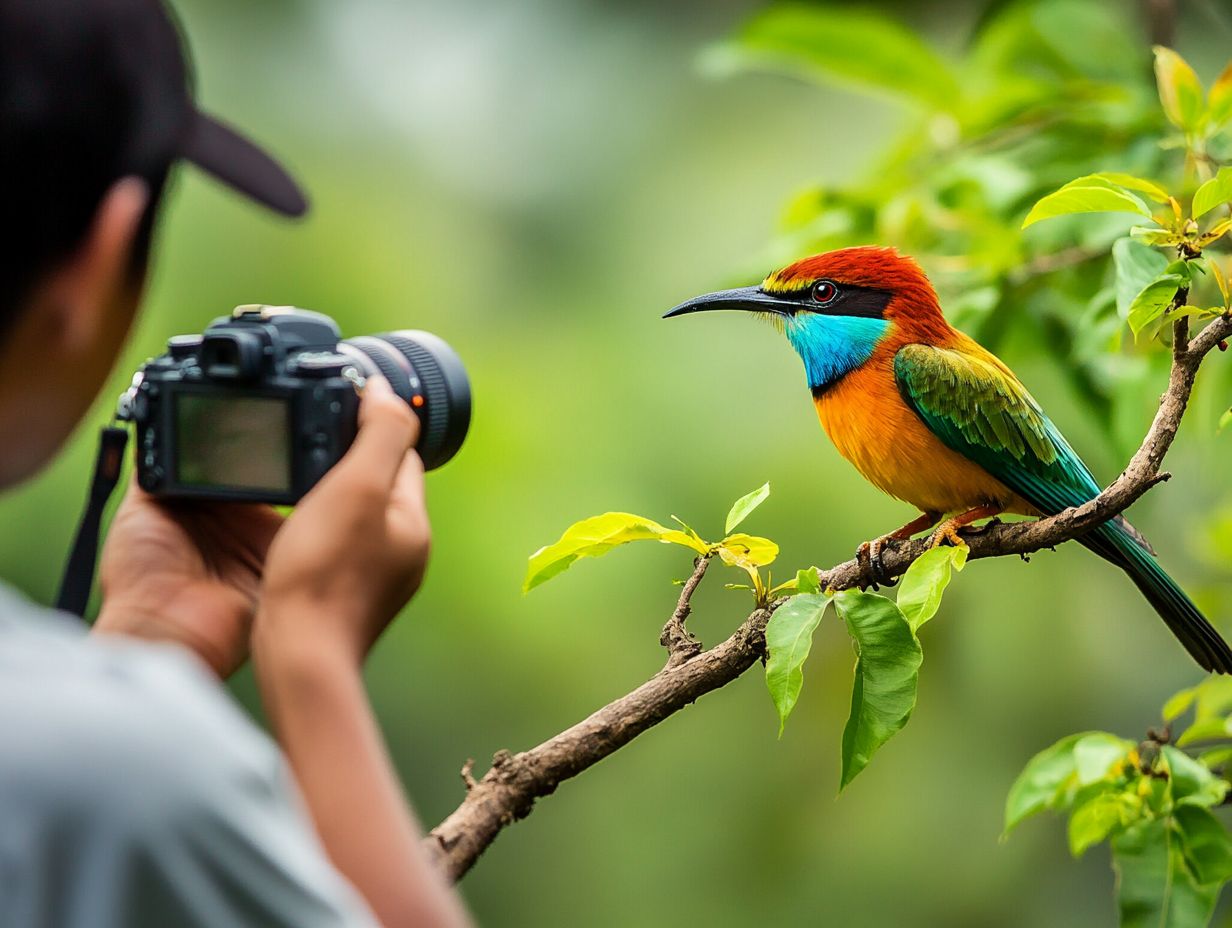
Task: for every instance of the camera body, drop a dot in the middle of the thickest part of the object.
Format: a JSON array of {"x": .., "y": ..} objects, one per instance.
[{"x": 264, "y": 402}]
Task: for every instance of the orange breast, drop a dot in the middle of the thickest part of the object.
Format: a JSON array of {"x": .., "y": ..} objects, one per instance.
[{"x": 874, "y": 429}]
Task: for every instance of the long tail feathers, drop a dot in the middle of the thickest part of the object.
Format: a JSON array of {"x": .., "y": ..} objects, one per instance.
[{"x": 1124, "y": 546}]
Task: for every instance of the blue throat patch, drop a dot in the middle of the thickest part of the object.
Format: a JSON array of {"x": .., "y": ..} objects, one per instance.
[{"x": 832, "y": 346}]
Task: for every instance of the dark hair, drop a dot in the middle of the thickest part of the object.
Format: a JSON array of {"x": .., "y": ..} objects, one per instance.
[{"x": 73, "y": 121}]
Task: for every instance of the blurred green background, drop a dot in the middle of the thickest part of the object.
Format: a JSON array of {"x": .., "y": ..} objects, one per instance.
[{"x": 537, "y": 183}]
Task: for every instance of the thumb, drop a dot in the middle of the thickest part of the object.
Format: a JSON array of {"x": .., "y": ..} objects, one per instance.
[{"x": 387, "y": 430}]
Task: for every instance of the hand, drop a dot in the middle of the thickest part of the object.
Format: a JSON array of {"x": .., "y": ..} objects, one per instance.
[
  {"x": 187, "y": 572},
  {"x": 354, "y": 551}
]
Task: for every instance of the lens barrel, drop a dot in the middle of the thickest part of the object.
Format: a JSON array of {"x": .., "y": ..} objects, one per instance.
[{"x": 429, "y": 376}]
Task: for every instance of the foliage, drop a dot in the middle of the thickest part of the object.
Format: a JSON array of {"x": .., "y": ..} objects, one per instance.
[
  {"x": 1044, "y": 92},
  {"x": 1152, "y": 803},
  {"x": 888, "y": 652}
]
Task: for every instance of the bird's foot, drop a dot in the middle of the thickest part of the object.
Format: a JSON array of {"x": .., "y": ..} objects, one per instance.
[
  {"x": 869, "y": 557},
  {"x": 947, "y": 531}
]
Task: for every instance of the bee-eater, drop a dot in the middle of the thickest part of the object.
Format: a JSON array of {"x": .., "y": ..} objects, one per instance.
[{"x": 930, "y": 417}]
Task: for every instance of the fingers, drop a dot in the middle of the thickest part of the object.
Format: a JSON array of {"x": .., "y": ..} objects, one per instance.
[
  {"x": 387, "y": 431},
  {"x": 407, "y": 499}
]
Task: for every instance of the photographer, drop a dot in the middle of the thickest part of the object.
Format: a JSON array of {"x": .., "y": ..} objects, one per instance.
[{"x": 132, "y": 791}]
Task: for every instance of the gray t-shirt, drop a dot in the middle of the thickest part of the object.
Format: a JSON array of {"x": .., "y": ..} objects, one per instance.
[{"x": 133, "y": 793}]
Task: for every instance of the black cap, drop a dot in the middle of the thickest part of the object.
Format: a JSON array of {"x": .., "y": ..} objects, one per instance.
[{"x": 93, "y": 87}]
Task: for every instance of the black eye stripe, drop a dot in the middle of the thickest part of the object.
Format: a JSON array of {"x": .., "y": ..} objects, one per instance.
[{"x": 848, "y": 300}]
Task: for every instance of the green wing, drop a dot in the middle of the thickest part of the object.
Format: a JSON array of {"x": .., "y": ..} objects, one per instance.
[{"x": 979, "y": 410}]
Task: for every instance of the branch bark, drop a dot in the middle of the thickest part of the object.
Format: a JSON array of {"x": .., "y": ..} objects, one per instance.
[{"x": 507, "y": 792}]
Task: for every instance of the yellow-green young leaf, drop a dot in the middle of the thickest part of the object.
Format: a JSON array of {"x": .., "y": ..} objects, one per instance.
[
  {"x": 1085, "y": 195},
  {"x": 1219, "y": 103},
  {"x": 1136, "y": 266},
  {"x": 1214, "y": 697},
  {"x": 1153, "y": 300},
  {"x": 1224, "y": 421},
  {"x": 1096, "y": 754},
  {"x": 859, "y": 46},
  {"x": 1141, "y": 184},
  {"x": 741, "y": 550},
  {"x": 1208, "y": 729},
  {"x": 807, "y": 580},
  {"x": 1215, "y": 757},
  {"x": 744, "y": 505},
  {"x": 1220, "y": 280},
  {"x": 1218, "y": 230},
  {"x": 1046, "y": 782},
  {"x": 789, "y": 636},
  {"x": 887, "y": 672},
  {"x": 1180, "y": 91},
  {"x": 1155, "y": 888},
  {"x": 1191, "y": 782},
  {"x": 1205, "y": 844},
  {"x": 599, "y": 535},
  {"x": 919, "y": 593},
  {"x": 1154, "y": 235},
  {"x": 1179, "y": 702},
  {"x": 1215, "y": 192},
  {"x": 1092, "y": 821}
]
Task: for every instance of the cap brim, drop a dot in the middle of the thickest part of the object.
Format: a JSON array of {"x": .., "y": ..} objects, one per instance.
[{"x": 238, "y": 163}]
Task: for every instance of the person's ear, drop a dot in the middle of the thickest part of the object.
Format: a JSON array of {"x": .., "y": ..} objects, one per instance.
[{"x": 84, "y": 289}]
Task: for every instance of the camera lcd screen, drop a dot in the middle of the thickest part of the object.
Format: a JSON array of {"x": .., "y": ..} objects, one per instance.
[{"x": 233, "y": 441}]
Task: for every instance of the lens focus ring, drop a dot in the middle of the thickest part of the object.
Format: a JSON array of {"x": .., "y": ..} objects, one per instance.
[{"x": 435, "y": 391}]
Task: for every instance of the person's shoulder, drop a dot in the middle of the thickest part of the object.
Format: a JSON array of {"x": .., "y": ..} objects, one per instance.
[{"x": 95, "y": 723}]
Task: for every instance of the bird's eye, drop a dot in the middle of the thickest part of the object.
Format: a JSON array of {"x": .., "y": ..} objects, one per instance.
[{"x": 825, "y": 292}]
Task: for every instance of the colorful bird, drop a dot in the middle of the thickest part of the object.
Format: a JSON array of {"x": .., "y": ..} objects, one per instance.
[{"x": 930, "y": 417}]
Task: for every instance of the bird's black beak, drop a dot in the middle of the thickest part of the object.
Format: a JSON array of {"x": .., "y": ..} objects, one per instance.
[{"x": 749, "y": 299}]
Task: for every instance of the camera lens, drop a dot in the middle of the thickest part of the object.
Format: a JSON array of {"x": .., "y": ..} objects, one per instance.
[{"x": 428, "y": 374}]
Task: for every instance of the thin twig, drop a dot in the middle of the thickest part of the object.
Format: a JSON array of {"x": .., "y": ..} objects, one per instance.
[
  {"x": 682, "y": 644},
  {"x": 507, "y": 792}
]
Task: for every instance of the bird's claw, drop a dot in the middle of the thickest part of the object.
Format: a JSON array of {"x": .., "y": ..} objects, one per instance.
[
  {"x": 947, "y": 532},
  {"x": 868, "y": 556}
]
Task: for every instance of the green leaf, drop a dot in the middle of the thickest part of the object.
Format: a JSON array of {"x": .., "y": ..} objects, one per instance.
[
  {"x": 744, "y": 505},
  {"x": 919, "y": 594},
  {"x": 1096, "y": 818},
  {"x": 1180, "y": 91},
  {"x": 599, "y": 535},
  {"x": 1096, "y": 753},
  {"x": 1179, "y": 702},
  {"x": 1215, "y": 757},
  {"x": 789, "y": 636},
  {"x": 1136, "y": 266},
  {"x": 1205, "y": 844},
  {"x": 1215, "y": 192},
  {"x": 1192, "y": 783},
  {"x": 1045, "y": 782},
  {"x": 1090, "y": 194},
  {"x": 1153, "y": 300},
  {"x": 807, "y": 580},
  {"x": 1224, "y": 420},
  {"x": 858, "y": 46},
  {"x": 1219, "y": 102},
  {"x": 887, "y": 671},
  {"x": 1154, "y": 886},
  {"x": 1208, "y": 729},
  {"x": 1141, "y": 184}
]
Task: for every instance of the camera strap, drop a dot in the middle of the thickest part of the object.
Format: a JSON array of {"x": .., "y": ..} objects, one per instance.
[{"x": 79, "y": 571}]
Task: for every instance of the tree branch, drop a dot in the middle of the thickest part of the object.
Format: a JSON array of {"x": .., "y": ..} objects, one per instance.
[{"x": 508, "y": 790}]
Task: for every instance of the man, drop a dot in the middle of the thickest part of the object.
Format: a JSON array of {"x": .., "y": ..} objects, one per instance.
[{"x": 132, "y": 791}]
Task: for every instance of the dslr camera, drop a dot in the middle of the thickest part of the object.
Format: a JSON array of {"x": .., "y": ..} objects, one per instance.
[{"x": 263, "y": 403}]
